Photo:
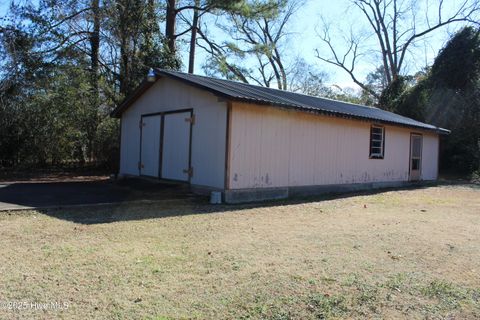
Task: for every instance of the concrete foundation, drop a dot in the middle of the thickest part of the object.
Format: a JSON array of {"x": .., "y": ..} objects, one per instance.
[
  {"x": 234, "y": 196},
  {"x": 253, "y": 195},
  {"x": 262, "y": 194}
]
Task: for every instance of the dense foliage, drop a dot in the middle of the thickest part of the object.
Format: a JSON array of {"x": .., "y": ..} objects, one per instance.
[
  {"x": 65, "y": 66},
  {"x": 449, "y": 96}
]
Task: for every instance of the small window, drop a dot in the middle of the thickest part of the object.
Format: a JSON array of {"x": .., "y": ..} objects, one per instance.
[
  {"x": 415, "y": 164},
  {"x": 377, "y": 142}
]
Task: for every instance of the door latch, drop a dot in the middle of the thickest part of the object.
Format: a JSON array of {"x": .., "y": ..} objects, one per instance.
[
  {"x": 189, "y": 171},
  {"x": 191, "y": 119}
]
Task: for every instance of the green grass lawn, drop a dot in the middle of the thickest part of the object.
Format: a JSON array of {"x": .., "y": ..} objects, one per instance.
[{"x": 404, "y": 254}]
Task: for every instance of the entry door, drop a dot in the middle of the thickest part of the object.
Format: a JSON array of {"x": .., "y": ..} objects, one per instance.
[
  {"x": 176, "y": 146},
  {"x": 150, "y": 146},
  {"x": 415, "y": 156}
]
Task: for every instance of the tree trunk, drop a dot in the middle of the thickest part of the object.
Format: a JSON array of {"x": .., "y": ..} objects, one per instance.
[
  {"x": 193, "y": 39},
  {"x": 95, "y": 45},
  {"x": 170, "y": 25},
  {"x": 125, "y": 49},
  {"x": 124, "y": 66},
  {"x": 151, "y": 22},
  {"x": 94, "y": 56}
]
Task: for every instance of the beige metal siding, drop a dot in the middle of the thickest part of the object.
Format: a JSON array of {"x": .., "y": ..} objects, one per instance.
[
  {"x": 208, "y": 132},
  {"x": 430, "y": 157},
  {"x": 278, "y": 148}
]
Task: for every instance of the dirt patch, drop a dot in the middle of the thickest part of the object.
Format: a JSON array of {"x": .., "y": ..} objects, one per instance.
[{"x": 398, "y": 254}]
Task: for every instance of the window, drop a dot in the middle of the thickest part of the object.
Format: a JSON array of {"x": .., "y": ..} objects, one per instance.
[
  {"x": 415, "y": 164},
  {"x": 377, "y": 142}
]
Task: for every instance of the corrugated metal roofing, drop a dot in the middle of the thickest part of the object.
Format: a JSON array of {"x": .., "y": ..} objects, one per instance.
[{"x": 239, "y": 91}]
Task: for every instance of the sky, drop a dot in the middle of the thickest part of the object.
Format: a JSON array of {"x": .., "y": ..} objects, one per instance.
[
  {"x": 342, "y": 16},
  {"x": 303, "y": 38}
]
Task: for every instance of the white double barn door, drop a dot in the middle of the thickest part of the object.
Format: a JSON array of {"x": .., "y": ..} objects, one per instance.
[{"x": 165, "y": 145}]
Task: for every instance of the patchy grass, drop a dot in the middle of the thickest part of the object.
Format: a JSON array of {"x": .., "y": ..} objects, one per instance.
[{"x": 404, "y": 254}]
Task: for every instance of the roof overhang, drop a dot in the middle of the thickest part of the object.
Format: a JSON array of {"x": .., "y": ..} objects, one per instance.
[{"x": 128, "y": 101}]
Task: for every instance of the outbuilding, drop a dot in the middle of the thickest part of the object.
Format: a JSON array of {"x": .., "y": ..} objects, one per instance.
[{"x": 254, "y": 143}]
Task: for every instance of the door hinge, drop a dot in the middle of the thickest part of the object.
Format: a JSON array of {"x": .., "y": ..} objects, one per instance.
[
  {"x": 140, "y": 165},
  {"x": 189, "y": 171},
  {"x": 141, "y": 124},
  {"x": 191, "y": 119}
]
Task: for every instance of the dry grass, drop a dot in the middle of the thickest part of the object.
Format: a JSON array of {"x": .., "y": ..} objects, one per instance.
[{"x": 404, "y": 254}]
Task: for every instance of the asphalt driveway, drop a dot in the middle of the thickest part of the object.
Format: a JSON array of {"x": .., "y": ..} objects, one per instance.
[{"x": 21, "y": 195}]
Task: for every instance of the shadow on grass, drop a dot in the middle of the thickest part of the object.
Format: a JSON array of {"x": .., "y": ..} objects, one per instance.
[
  {"x": 178, "y": 202},
  {"x": 46, "y": 194}
]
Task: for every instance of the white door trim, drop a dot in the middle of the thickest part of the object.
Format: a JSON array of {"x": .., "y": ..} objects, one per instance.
[{"x": 415, "y": 157}]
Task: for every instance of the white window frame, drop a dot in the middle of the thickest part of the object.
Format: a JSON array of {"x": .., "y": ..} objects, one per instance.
[{"x": 377, "y": 155}]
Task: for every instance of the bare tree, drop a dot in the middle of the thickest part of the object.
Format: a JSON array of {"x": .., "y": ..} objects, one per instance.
[
  {"x": 307, "y": 79},
  {"x": 396, "y": 26}
]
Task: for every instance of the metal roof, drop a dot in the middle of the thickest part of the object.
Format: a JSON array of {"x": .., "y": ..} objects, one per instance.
[{"x": 238, "y": 91}]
